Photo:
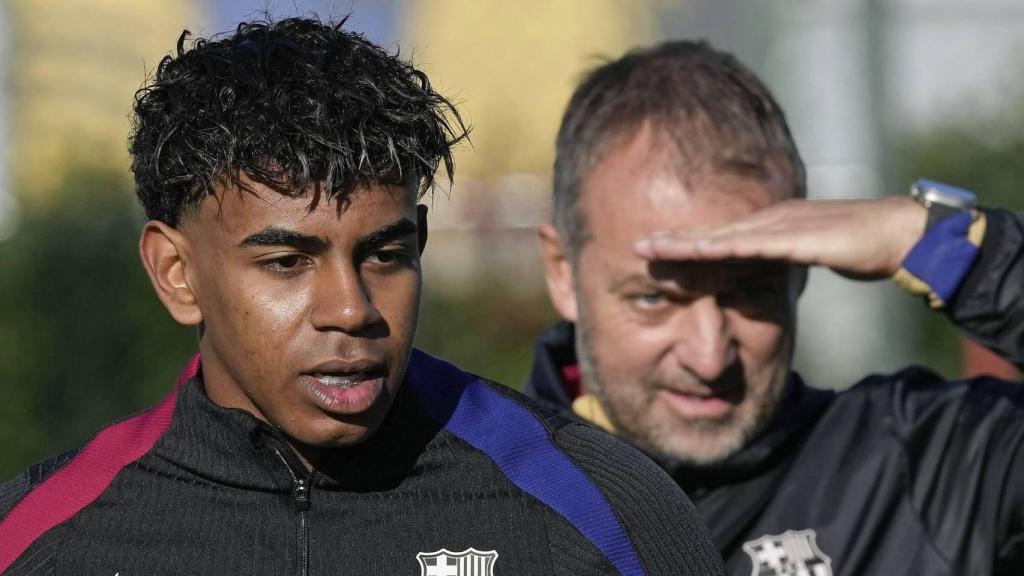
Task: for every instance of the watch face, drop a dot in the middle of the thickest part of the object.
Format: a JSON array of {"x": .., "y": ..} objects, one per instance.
[{"x": 929, "y": 192}]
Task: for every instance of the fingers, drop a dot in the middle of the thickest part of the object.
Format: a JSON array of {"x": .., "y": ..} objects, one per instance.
[
  {"x": 726, "y": 245},
  {"x": 711, "y": 243},
  {"x": 861, "y": 239},
  {"x": 796, "y": 232}
]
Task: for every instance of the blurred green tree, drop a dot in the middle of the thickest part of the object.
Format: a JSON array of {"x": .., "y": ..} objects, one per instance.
[
  {"x": 83, "y": 338},
  {"x": 488, "y": 331}
]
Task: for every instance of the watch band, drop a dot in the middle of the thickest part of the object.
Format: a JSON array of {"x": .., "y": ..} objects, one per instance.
[{"x": 941, "y": 259}]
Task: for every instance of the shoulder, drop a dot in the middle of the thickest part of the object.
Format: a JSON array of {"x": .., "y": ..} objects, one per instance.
[
  {"x": 917, "y": 395},
  {"x": 12, "y": 491},
  {"x": 605, "y": 481},
  {"x": 611, "y": 495},
  {"x": 656, "y": 513},
  {"x": 950, "y": 435},
  {"x": 962, "y": 450},
  {"x": 942, "y": 425}
]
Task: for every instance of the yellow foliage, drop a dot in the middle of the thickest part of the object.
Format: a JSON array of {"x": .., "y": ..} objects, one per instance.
[
  {"x": 74, "y": 68},
  {"x": 512, "y": 66}
]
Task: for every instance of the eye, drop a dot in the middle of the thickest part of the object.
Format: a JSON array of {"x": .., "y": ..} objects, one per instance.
[
  {"x": 288, "y": 261},
  {"x": 652, "y": 299},
  {"x": 390, "y": 257},
  {"x": 753, "y": 291},
  {"x": 743, "y": 293},
  {"x": 756, "y": 299},
  {"x": 385, "y": 256},
  {"x": 287, "y": 264},
  {"x": 648, "y": 301}
]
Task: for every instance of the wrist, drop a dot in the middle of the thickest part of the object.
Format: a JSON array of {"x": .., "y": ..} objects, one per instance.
[
  {"x": 941, "y": 259},
  {"x": 908, "y": 226}
]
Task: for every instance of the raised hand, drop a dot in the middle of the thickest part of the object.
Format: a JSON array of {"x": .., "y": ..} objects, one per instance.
[{"x": 861, "y": 239}]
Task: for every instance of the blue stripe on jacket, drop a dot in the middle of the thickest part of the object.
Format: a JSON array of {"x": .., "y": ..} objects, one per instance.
[{"x": 521, "y": 447}]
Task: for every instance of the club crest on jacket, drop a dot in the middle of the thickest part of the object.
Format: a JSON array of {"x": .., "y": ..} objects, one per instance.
[
  {"x": 792, "y": 553},
  {"x": 469, "y": 562}
]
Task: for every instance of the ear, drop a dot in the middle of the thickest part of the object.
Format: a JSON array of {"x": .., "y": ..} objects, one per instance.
[
  {"x": 558, "y": 272},
  {"x": 421, "y": 226},
  {"x": 165, "y": 257}
]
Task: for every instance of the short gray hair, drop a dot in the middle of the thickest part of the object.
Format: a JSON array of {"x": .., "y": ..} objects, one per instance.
[{"x": 710, "y": 106}]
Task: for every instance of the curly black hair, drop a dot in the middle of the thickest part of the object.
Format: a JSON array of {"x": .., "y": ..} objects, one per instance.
[{"x": 299, "y": 105}]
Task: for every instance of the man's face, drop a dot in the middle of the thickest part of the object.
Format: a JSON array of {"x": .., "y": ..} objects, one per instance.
[
  {"x": 308, "y": 317},
  {"x": 689, "y": 360}
]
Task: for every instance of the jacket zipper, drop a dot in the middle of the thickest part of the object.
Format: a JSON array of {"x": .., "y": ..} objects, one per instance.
[{"x": 300, "y": 499}]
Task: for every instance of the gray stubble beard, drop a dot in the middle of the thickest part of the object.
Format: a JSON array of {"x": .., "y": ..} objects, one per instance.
[{"x": 656, "y": 439}]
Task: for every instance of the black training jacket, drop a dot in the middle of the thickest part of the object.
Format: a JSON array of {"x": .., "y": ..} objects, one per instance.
[
  {"x": 465, "y": 478},
  {"x": 901, "y": 474}
]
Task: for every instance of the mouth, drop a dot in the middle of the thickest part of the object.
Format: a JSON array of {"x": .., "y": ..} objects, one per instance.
[
  {"x": 345, "y": 387},
  {"x": 702, "y": 405},
  {"x": 344, "y": 381}
]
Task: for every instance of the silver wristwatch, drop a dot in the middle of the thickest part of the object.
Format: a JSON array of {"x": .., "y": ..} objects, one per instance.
[{"x": 942, "y": 200}]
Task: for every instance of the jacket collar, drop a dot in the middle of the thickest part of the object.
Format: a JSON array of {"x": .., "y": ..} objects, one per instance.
[
  {"x": 554, "y": 349},
  {"x": 231, "y": 447}
]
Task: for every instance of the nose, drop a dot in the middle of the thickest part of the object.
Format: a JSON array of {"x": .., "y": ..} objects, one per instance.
[
  {"x": 340, "y": 301},
  {"x": 706, "y": 345}
]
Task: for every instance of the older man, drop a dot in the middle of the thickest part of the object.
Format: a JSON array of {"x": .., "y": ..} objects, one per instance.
[{"x": 676, "y": 256}]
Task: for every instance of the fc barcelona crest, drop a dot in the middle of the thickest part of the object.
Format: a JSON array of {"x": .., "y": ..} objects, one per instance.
[
  {"x": 792, "y": 553},
  {"x": 469, "y": 562}
]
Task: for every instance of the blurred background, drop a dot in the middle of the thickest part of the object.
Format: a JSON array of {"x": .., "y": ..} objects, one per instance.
[{"x": 878, "y": 93}]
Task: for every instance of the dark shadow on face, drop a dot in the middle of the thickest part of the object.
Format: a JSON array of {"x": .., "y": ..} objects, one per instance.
[
  {"x": 731, "y": 384},
  {"x": 755, "y": 289},
  {"x": 758, "y": 290}
]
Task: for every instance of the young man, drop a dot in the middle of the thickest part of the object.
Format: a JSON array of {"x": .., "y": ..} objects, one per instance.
[
  {"x": 280, "y": 168},
  {"x": 675, "y": 257}
]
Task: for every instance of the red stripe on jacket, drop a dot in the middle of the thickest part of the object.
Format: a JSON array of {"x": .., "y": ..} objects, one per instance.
[{"x": 87, "y": 475}]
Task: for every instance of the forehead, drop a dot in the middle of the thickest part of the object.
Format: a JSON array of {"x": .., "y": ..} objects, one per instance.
[
  {"x": 641, "y": 187},
  {"x": 235, "y": 211}
]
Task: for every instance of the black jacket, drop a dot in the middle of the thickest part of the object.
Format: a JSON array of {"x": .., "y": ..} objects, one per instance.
[
  {"x": 463, "y": 473},
  {"x": 901, "y": 474}
]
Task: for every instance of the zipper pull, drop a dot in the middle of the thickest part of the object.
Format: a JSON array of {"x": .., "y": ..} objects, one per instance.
[
  {"x": 301, "y": 495},
  {"x": 300, "y": 487}
]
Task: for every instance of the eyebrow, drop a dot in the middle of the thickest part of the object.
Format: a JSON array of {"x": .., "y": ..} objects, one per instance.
[
  {"x": 638, "y": 279},
  {"x": 387, "y": 233},
  {"x": 272, "y": 236}
]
